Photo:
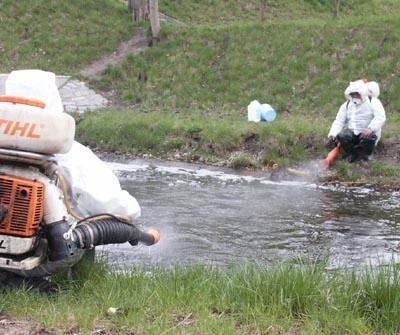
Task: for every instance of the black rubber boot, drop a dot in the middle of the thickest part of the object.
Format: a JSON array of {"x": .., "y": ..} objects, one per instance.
[
  {"x": 348, "y": 142},
  {"x": 367, "y": 146}
]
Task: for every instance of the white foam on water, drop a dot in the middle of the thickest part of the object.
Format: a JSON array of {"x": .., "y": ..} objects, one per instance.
[{"x": 204, "y": 173}]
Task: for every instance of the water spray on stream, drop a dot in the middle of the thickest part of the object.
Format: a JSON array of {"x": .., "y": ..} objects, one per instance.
[{"x": 316, "y": 168}]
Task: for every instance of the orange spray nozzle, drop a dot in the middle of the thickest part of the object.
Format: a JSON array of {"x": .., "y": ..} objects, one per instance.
[
  {"x": 155, "y": 234},
  {"x": 331, "y": 156}
]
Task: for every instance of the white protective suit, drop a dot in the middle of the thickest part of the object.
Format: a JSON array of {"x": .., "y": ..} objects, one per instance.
[
  {"x": 94, "y": 188},
  {"x": 359, "y": 115}
]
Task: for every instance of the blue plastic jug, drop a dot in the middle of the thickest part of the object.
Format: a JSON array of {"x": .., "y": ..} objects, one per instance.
[{"x": 266, "y": 113}]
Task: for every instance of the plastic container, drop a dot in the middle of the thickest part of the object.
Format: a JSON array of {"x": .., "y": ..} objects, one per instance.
[
  {"x": 266, "y": 113},
  {"x": 257, "y": 112},
  {"x": 35, "y": 129},
  {"x": 252, "y": 114}
]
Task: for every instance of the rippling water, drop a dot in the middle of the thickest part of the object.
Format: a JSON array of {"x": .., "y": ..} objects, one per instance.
[{"x": 217, "y": 218}]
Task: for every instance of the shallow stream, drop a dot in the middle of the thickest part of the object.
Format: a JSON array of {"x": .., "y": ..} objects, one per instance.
[{"x": 218, "y": 218}]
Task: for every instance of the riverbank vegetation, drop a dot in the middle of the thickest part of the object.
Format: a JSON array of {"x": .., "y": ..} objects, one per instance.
[
  {"x": 280, "y": 299},
  {"x": 185, "y": 98}
]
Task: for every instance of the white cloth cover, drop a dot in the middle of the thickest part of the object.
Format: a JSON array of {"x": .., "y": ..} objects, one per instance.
[
  {"x": 365, "y": 88},
  {"x": 373, "y": 89},
  {"x": 94, "y": 187}
]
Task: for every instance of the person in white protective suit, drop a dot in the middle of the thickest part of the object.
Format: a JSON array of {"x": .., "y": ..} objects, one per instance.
[
  {"x": 94, "y": 188},
  {"x": 359, "y": 121}
]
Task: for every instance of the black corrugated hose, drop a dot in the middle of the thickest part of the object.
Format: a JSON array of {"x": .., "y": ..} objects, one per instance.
[
  {"x": 109, "y": 230},
  {"x": 93, "y": 231}
]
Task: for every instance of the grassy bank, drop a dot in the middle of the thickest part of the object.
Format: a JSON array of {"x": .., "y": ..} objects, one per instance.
[
  {"x": 186, "y": 97},
  {"x": 59, "y": 36},
  {"x": 281, "y": 299}
]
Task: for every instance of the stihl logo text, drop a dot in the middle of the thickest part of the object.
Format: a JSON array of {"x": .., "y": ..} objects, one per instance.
[{"x": 23, "y": 129}]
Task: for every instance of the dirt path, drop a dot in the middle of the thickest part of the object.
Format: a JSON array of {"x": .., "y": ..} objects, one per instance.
[{"x": 135, "y": 45}]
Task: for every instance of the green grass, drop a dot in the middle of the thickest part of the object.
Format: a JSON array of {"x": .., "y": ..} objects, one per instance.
[
  {"x": 215, "y": 137},
  {"x": 296, "y": 69},
  {"x": 286, "y": 298},
  {"x": 202, "y": 75},
  {"x": 60, "y": 36},
  {"x": 233, "y": 11}
]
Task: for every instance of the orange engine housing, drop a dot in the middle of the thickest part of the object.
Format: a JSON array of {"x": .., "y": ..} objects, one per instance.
[{"x": 21, "y": 205}]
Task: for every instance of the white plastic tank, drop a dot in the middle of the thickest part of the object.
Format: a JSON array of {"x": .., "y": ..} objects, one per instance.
[
  {"x": 31, "y": 128},
  {"x": 31, "y": 114}
]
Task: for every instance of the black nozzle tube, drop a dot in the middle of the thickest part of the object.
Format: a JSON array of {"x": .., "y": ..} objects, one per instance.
[{"x": 110, "y": 231}]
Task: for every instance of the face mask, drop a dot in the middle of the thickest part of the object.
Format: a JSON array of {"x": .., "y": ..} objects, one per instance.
[{"x": 356, "y": 101}]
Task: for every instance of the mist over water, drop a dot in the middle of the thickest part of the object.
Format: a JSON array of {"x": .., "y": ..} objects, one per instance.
[{"x": 219, "y": 218}]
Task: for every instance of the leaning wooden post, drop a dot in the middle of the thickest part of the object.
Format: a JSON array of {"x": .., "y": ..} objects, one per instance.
[
  {"x": 154, "y": 21},
  {"x": 336, "y": 12}
]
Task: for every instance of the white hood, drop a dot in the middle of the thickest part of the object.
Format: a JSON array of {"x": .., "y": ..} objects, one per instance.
[{"x": 358, "y": 86}]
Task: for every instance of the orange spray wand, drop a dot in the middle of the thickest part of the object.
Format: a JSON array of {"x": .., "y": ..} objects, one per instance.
[{"x": 331, "y": 156}]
